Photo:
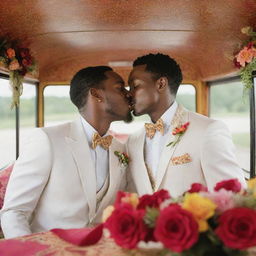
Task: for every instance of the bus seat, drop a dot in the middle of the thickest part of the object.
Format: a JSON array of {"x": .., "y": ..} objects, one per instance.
[{"x": 4, "y": 178}]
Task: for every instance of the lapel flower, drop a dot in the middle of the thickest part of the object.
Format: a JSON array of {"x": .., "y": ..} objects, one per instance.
[
  {"x": 178, "y": 133},
  {"x": 123, "y": 158}
]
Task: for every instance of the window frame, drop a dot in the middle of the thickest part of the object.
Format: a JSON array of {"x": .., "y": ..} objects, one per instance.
[{"x": 17, "y": 110}]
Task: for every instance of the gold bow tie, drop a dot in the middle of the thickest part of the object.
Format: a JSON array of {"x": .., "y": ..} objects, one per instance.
[
  {"x": 104, "y": 142},
  {"x": 152, "y": 128}
]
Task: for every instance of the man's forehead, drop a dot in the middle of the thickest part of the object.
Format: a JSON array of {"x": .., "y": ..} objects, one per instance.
[
  {"x": 114, "y": 77},
  {"x": 138, "y": 72}
]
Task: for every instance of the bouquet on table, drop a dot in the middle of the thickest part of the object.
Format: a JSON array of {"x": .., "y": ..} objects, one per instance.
[{"x": 222, "y": 222}]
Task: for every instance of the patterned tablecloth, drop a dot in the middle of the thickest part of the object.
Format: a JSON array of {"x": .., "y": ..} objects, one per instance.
[{"x": 49, "y": 244}]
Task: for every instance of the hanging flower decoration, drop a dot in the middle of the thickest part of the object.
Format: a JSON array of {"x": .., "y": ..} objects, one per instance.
[
  {"x": 19, "y": 62},
  {"x": 245, "y": 59}
]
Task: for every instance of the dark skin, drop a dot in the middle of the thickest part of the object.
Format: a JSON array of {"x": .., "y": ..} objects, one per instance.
[
  {"x": 150, "y": 96},
  {"x": 107, "y": 104}
]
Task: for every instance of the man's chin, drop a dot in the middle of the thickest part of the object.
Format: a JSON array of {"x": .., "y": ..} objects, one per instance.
[
  {"x": 137, "y": 113},
  {"x": 128, "y": 118}
]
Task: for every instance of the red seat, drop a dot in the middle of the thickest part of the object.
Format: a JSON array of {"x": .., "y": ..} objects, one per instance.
[{"x": 4, "y": 178}]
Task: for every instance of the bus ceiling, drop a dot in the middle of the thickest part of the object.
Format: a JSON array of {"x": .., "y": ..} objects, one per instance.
[{"x": 65, "y": 35}]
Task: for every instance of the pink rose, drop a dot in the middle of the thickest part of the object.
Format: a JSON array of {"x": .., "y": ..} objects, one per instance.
[
  {"x": 224, "y": 199},
  {"x": 14, "y": 65},
  {"x": 230, "y": 185},
  {"x": 237, "y": 228},
  {"x": 176, "y": 228}
]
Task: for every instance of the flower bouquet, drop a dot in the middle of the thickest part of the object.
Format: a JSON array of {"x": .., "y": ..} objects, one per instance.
[
  {"x": 18, "y": 62},
  {"x": 245, "y": 59},
  {"x": 199, "y": 223}
]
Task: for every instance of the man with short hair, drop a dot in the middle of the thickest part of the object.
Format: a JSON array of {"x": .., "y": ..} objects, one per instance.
[
  {"x": 69, "y": 173},
  {"x": 178, "y": 147}
]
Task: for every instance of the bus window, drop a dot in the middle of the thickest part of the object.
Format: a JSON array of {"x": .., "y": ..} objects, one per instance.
[
  {"x": 57, "y": 105},
  {"x": 228, "y": 104},
  {"x": 27, "y": 116},
  {"x": 7, "y": 125},
  {"x": 187, "y": 96}
]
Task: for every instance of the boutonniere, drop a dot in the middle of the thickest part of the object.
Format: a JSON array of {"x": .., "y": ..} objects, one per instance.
[
  {"x": 178, "y": 133},
  {"x": 123, "y": 158}
]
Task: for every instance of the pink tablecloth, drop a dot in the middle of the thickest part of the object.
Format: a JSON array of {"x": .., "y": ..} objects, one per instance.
[{"x": 49, "y": 244}]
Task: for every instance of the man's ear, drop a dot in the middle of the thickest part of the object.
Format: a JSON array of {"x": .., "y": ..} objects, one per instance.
[
  {"x": 162, "y": 83},
  {"x": 96, "y": 95}
]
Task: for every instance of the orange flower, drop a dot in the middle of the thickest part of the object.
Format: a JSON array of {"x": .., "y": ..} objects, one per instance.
[
  {"x": 10, "y": 53},
  {"x": 246, "y": 55},
  {"x": 181, "y": 129}
]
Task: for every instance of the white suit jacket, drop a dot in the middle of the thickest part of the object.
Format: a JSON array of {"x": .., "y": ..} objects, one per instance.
[
  {"x": 53, "y": 183},
  {"x": 207, "y": 145}
]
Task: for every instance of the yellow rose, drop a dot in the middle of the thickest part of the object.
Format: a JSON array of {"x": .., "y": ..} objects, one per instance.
[
  {"x": 251, "y": 183},
  {"x": 202, "y": 209},
  {"x": 132, "y": 199},
  {"x": 107, "y": 212}
]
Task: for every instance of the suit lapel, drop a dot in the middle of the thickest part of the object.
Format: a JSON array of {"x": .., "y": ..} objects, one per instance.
[
  {"x": 116, "y": 174},
  {"x": 85, "y": 166},
  {"x": 138, "y": 167},
  {"x": 179, "y": 118}
]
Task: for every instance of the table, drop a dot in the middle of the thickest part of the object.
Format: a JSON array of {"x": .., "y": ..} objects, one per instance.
[{"x": 49, "y": 244}]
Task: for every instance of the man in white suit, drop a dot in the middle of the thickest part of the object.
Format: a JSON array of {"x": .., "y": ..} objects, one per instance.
[
  {"x": 68, "y": 173},
  {"x": 179, "y": 147}
]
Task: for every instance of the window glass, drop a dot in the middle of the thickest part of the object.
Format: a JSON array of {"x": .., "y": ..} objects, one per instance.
[
  {"x": 7, "y": 125},
  {"x": 8, "y": 119},
  {"x": 57, "y": 105},
  {"x": 27, "y": 112},
  {"x": 228, "y": 104},
  {"x": 187, "y": 96}
]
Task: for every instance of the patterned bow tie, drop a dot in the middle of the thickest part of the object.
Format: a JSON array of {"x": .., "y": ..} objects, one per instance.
[
  {"x": 104, "y": 142},
  {"x": 152, "y": 128}
]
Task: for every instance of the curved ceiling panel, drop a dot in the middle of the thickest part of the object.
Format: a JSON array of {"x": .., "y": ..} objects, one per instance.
[{"x": 66, "y": 35}]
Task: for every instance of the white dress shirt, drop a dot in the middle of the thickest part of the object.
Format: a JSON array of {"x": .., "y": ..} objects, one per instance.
[
  {"x": 99, "y": 155},
  {"x": 154, "y": 146}
]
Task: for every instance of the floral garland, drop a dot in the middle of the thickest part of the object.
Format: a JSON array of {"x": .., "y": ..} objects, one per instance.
[
  {"x": 19, "y": 62},
  {"x": 199, "y": 223},
  {"x": 245, "y": 59}
]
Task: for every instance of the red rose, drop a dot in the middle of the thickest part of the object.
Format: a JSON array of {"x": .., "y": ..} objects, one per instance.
[
  {"x": 119, "y": 196},
  {"x": 197, "y": 187},
  {"x": 153, "y": 200},
  {"x": 231, "y": 185},
  {"x": 236, "y": 63},
  {"x": 24, "y": 52},
  {"x": 176, "y": 228},
  {"x": 237, "y": 228},
  {"x": 126, "y": 226},
  {"x": 26, "y": 62}
]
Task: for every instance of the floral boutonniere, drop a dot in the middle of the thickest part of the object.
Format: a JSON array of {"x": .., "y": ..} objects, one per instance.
[
  {"x": 178, "y": 133},
  {"x": 123, "y": 158}
]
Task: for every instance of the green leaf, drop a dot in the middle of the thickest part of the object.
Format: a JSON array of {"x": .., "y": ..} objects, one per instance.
[
  {"x": 151, "y": 216},
  {"x": 169, "y": 144}
]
